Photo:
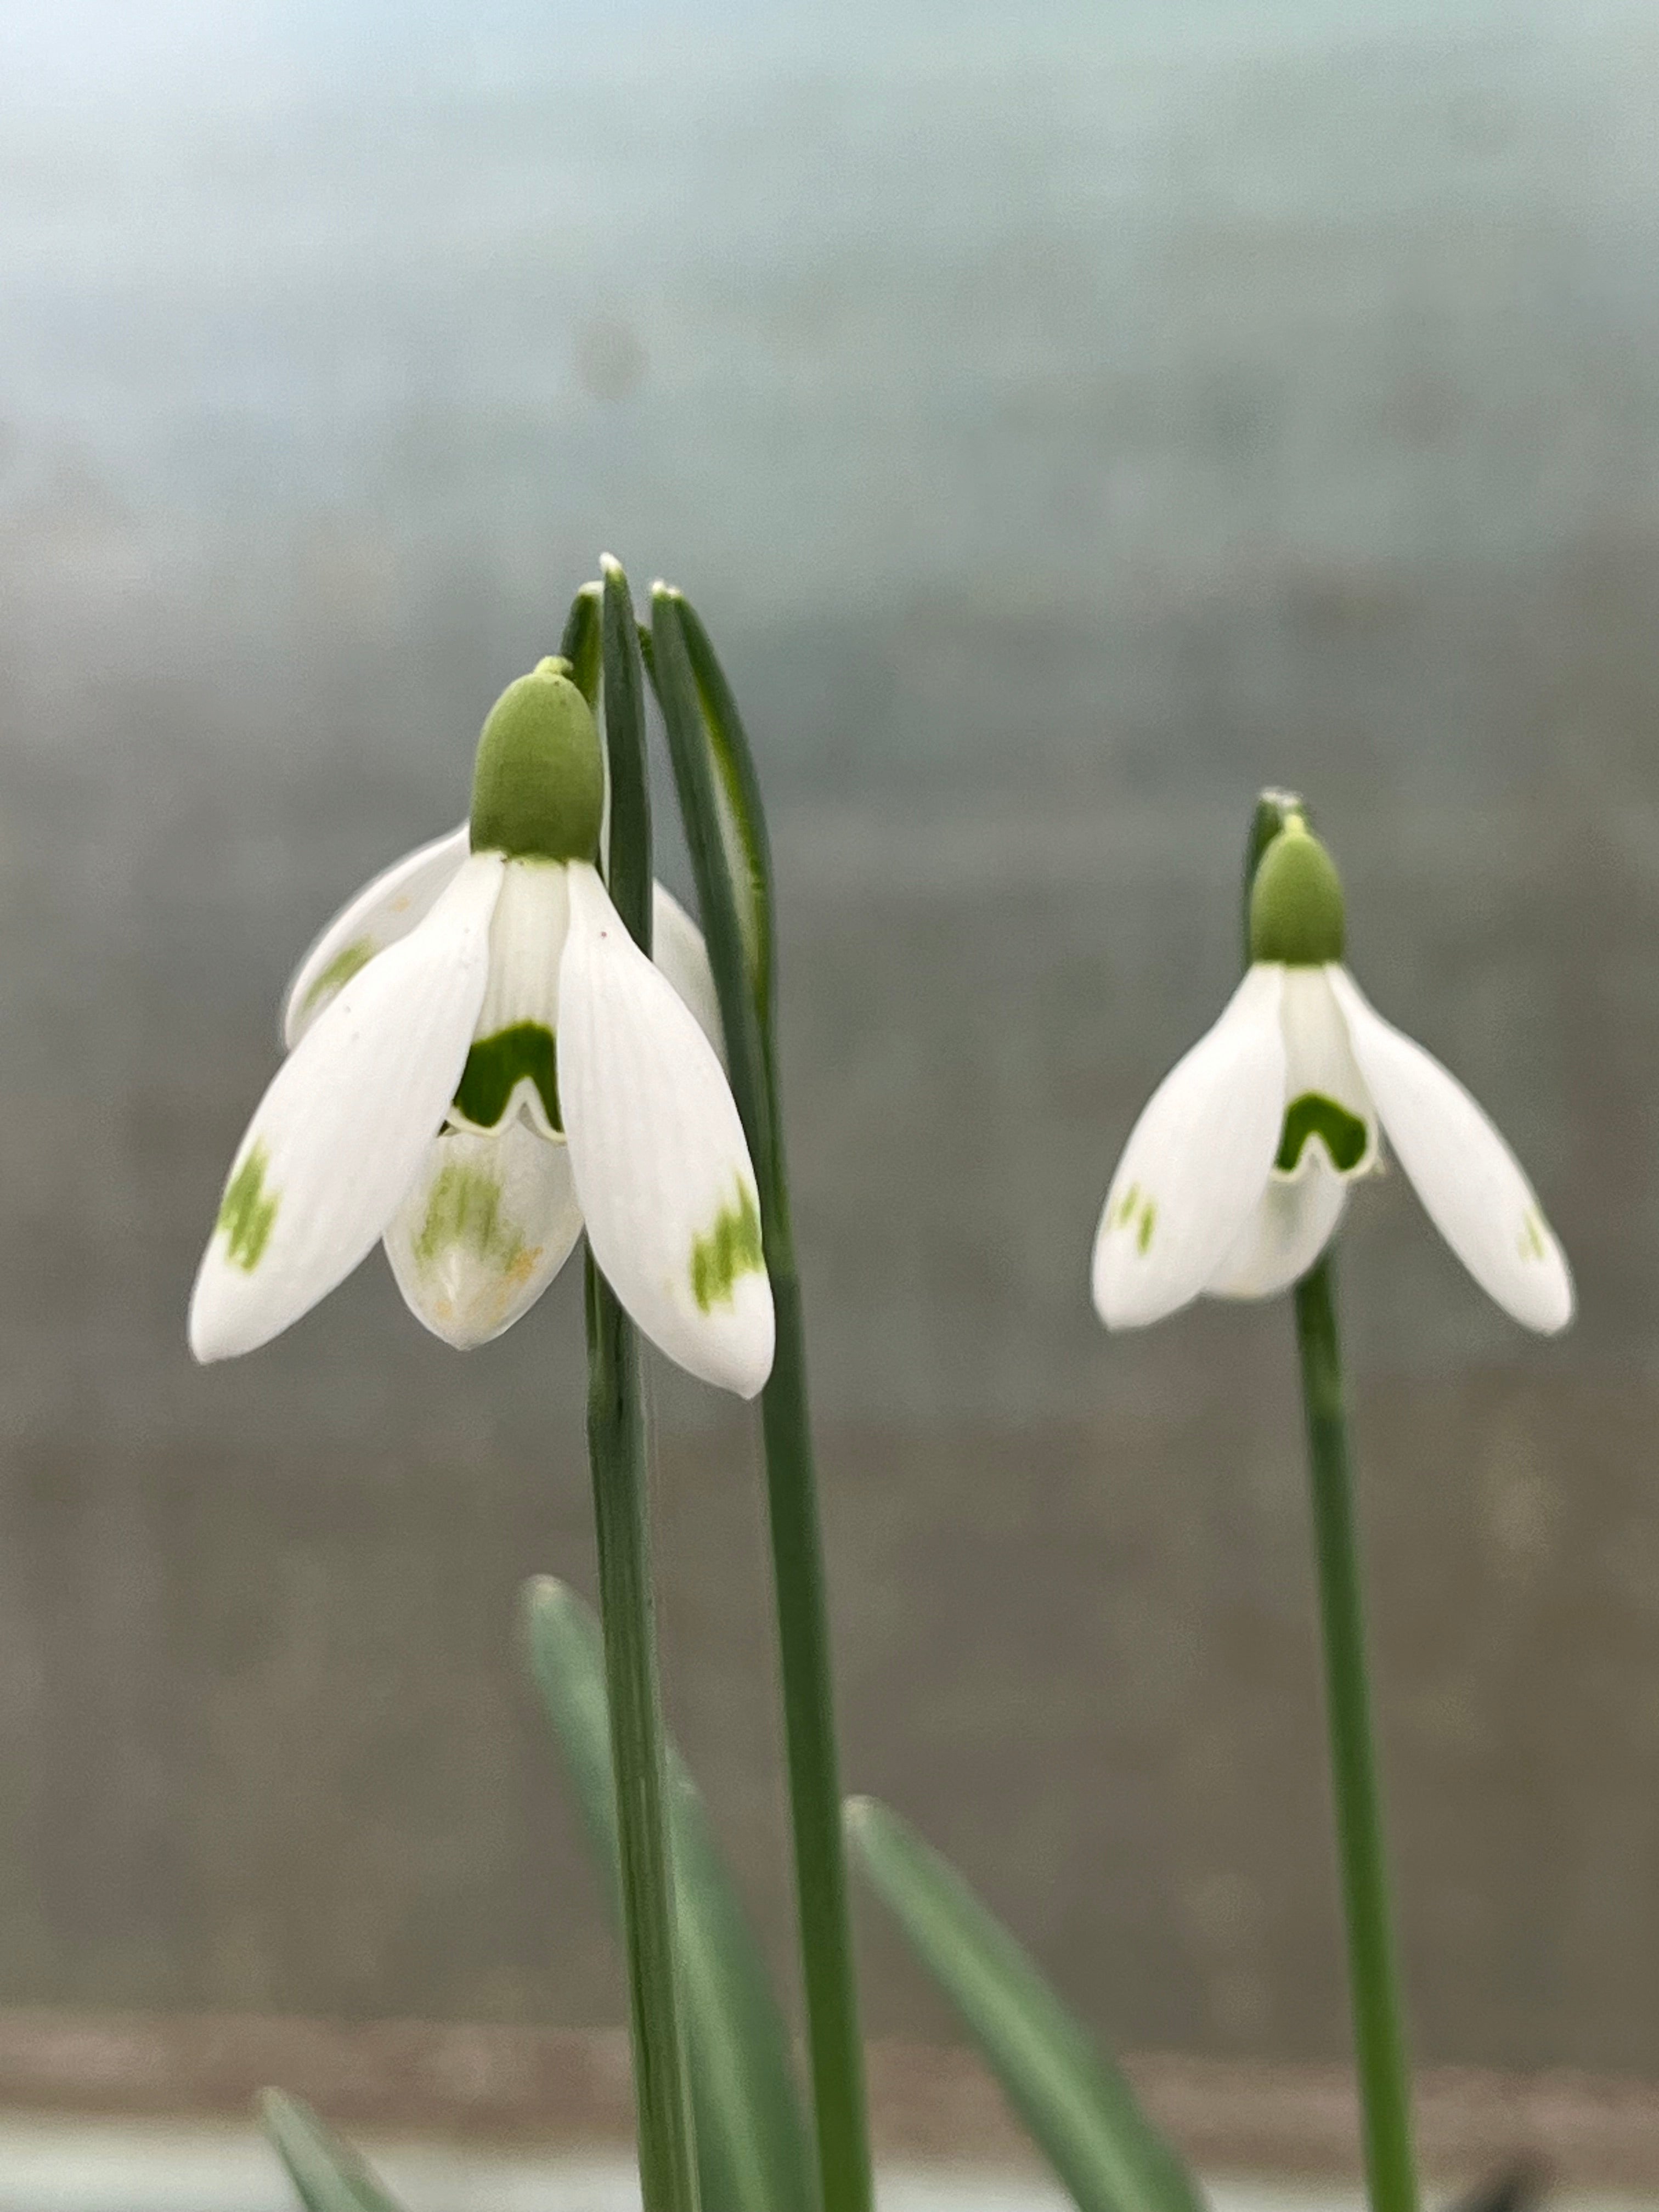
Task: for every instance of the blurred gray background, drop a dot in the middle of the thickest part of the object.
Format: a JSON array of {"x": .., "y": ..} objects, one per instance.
[{"x": 1066, "y": 422}]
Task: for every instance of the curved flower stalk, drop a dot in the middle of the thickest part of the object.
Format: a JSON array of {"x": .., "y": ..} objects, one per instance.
[
  {"x": 483, "y": 1062},
  {"x": 1236, "y": 1173}
]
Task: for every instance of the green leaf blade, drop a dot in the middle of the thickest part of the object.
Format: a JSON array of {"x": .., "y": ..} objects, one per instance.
[
  {"x": 753, "y": 2151},
  {"x": 1078, "y": 2108},
  {"x": 327, "y": 2174}
]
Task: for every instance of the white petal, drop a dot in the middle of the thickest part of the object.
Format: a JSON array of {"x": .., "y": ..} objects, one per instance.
[
  {"x": 678, "y": 948},
  {"x": 1320, "y": 1069},
  {"x": 661, "y": 1167},
  {"x": 490, "y": 1222},
  {"x": 1196, "y": 1161},
  {"x": 337, "y": 1138},
  {"x": 511, "y": 1067},
  {"x": 382, "y": 911},
  {"x": 1294, "y": 1220},
  {"x": 1467, "y": 1177}
]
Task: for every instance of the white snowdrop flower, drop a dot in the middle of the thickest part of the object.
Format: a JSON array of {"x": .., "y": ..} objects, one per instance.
[
  {"x": 483, "y": 1063},
  {"x": 1235, "y": 1177}
]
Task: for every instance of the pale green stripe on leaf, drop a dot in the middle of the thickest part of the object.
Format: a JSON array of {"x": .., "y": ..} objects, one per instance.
[
  {"x": 1079, "y": 2109},
  {"x": 327, "y": 2174},
  {"x": 753, "y": 2153}
]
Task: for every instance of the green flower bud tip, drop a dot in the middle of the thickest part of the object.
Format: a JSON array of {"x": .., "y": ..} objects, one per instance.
[
  {"x": 538, "y": 784},
  {"x": 1295, "y": 902}
]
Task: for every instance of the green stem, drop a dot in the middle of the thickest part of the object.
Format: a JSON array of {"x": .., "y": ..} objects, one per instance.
[
  {"x": 616, "y": 1452},
  {"x": 707, "y": 741},
  {"x": 1374, "y": 1981}
]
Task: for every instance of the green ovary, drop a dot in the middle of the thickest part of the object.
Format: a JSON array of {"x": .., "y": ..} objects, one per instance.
[
  {"x": 497, "y": 1065},
  {"x": 247, "y": 1212},
  {"x": 1344, "y": 1135},
  {"x": 731, "y": 1249},
  {"x": 464, "y": 1211},
  {"x": 350, "y": 961}
]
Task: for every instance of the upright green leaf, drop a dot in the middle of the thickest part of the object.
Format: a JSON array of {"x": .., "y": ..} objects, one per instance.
[
  {"x": 1079, "y": 2109},
  {"x": 327, "y": 2174},
  {"x": 581, "y": 644},
  {"x": 752, "y": 2149}
]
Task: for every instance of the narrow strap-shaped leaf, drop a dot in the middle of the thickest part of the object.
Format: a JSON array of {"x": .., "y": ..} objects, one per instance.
[
  {"x": 581, "y": 644},
  {"x": 725, "y": 826},
  {"x": 752, "y": 2149},
  {"x": 1079, "y": 2109},
  {"x": 628, "y": 875},
  {"x": 327, "y": 2174}
]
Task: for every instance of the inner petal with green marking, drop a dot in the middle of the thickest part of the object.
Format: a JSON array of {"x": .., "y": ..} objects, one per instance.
[
  {"x": 729, "y": 1249},
  {"x": 527, "y": 1053},
  {"x": 464, "y": 1211},
  {"x": 1344, "y": 1135},
  {"x": 247, "y": 1213}
]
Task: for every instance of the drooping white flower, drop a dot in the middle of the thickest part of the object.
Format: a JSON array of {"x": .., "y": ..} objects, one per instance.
[
  {"x": 1235, "y": 1174},
  {"x": 482, "y": 1063}
]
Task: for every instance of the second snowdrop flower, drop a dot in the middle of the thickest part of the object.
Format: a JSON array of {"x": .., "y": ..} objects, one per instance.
[
  {"x": 483, "y": 1064},
  {"x": 1235, "y": 1174}
]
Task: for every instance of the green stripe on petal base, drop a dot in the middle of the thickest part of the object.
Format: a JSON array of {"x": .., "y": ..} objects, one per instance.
[
  {"x": 1344, "y": 1135},
  {"x": 247, "y": 1212},
  {"x": 731, "y": 1249},
  {"x": 498, "y": 1065},
  {"x": 464, "y": 1211}
]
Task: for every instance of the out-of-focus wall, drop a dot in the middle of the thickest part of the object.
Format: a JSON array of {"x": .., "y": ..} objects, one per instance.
[{"x": 1063, "y": 434}]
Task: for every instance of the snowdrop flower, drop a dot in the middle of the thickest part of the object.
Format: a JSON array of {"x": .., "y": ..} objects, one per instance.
[
  {"x": 482, "y": 1063},
  {"x": 1235, "y": 1177}
]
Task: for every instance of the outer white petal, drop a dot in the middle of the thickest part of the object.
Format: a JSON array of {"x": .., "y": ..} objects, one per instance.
[
  {"x": 337, "y": 1138},
  {"x": 382, "y": 911},
  {"x": 1467, "y": 1177},
  {"x": 658, "y": 1152},
  {"x": 490, "y": 1222},
  {"x": 1196, "y": 1161},
  {"x": 1294, "y": 1219},
  {"x": 678, "y": 948}
]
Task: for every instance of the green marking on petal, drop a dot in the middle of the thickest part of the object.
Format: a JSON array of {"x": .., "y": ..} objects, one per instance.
[
  {"x": 497, "y": 1065},
  {"x": 1533, "y": 1245},
  {"x": 247, "y": 1212},
  {"x": 350, "y": 961},
  {"x": 1137, "y": 1210},
  {"x": 464, "y": 1210},
  {"x": 1312, "y": 1115},
  {"x": 731, "y": 1249}
]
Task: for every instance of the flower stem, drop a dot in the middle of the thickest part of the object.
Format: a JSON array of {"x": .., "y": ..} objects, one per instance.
[
  {"x": 617, "y": 1452},
  {"x": 1374, "y": 1983},
  {"x": 725, "y": 832}
]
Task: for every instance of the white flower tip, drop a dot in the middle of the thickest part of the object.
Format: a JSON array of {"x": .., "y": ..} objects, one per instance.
[
  {"x": 734, "y": 1347},
  {"x": 1542, "y": 1297},
  {"x": 1126, "y": 1295},
  {"x": 609, "y": 565}
]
